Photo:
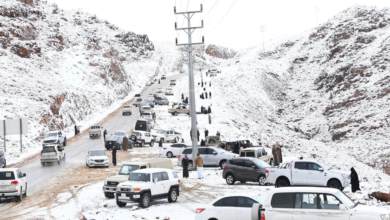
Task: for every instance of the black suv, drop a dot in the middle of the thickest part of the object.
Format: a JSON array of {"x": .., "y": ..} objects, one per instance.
[
  {"x": 142, "y": 125},
  {"x": 245, "y": 170},
  {"x": 3, "y": 161}
]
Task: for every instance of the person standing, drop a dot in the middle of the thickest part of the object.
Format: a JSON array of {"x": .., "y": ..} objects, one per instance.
[
  {"x": 185, "y": 166},
  {"x": 114, "y": 155},
  {"x": 206, "y": 133},
  {"x": 199, "y": 164},
  {"x": 209, "y": 110},
  {"x": 182, "y": 96},
  {"x": 75, "y": 130},
  {"x": 276, "y": 154},
  {"x": 198, "y": 134},
  {"x": 104, "y": 135},
  {"x": 206, "y": 74},
  {"x": 210, "y": 95},
  {"x": 158, "y": 81},
  {"x": 236, "y": 147},
  {"x": 355, "y": 185},
  {"x": 125, "y": 143},
  {"x": 206, "y": 95},
  {"x": 154, "y": 117},
  {"x": 78, "y": 130},
  {"x": 248, "y": 144},
  {"x": 210, "y": 84},
  {"x": 202, "y": 143},
  {"x": 201, "y": 109},
  {"x": 202, "y": 83},
  {"x": 218, "y": 134},
  {"x": 160, "y": 147}
]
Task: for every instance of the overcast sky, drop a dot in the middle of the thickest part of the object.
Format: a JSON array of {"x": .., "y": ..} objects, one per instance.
[{"x": 240, "y": 28}]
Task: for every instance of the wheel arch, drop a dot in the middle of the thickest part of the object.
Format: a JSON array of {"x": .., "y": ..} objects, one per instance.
[
  {"x": 334, "y": 178},
  {"x": 283, "y": 177},
  {"x": 176, "y": 187}
]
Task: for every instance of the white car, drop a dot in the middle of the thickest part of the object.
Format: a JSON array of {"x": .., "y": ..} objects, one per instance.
[
  {"x": 167, "y": 135},
  {"x": 148, "y": 83},
  {"x": 141, "y": 138},
  {"x": 314, "y": 203},
  {"x": 147, "y": 185},
  {"x": 159, "y": 90},
  {"x": 50, "y": 154},
  {"x": 54, "y": 137},
  {"x": 173, "y": 150},
  {"x": 168, "y": 91},
  {"x": 97, "y": 158},
  {"x": 13, "y": 183},
  {"x": 229, "y": 208}
]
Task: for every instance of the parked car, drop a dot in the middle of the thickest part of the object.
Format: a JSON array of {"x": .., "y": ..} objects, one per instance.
[
  {"x": 13, "y": 183},
  {"x": 97, "y": 158},
  {"x": 245, "y": 170},
  {"x": 145, "y": 186},
  {"x": 150, "y": 102},
  {"x": 114, "y": 141},
  {"x": 173, "y": 150},
  {"x": 142, "y": 125},
  {"x": 147, "y": 115},
  {"x": 213, "y": 72},
  {"x": 163, "y": 77},
  {"x": 54, "y": 153},
  {"x": 3, "y": 160},
  {"x": 141, "y": 138},
  {"x": 229, "y": 208},
  {"x": 211, "y": 156},
  {"x": 159, "y": 90},
  {"x": 223, "y": 144},
  {"x": 137, "y": 101},
  {"x": 161, "y": 101},
  {"x": 314, "y": 203},
  {"x": 182, "y": 109},
  {"x": 145, "y": 109},
  {"x": 54, "y": 137},
  {"x": 308, "y": 173},
  {"x": 150, "y": 122},
  {"x": 148, "y": 83},
  {"x": 95, "y": 131},
  {"x": 213, "y": 140},
  {"x": 169, "y": 135},
  {"x": 126, "y": 110},
  {"x": 168, "y": 91},
  {"x": 173, "y": 82},
  {"x": 137, "y": 96},
  {"x": 110, "y": 183},
  {"x": 258, "y": 152}
]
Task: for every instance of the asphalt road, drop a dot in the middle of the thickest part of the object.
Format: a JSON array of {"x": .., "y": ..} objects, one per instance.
[{"x": 77, "y": 150}]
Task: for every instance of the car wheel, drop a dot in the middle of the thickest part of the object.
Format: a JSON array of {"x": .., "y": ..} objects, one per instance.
[
  {"x": 176, "y": 113},
  {"x": 334, "y": 184},
  {"x": 172, "y": 195},
  {"x": 133, "y": 138},
  {"x": 223, "y": 162},
  {"x": 151, "y": 143},
  {"x": 142, "y": 143},
  {"x": 20, "y": 197},
  {"x": 25, "y": 192},
  {"x": 145, "y": 200},
  {"x": 120, "y": 204},
  {"x": 169, "y": 154},
  {"x": 282, "y": 183},
  {"x": 109, "y": 195},
  {"x": 230, "y": 179},
  {"x": 262, "y": 180}
]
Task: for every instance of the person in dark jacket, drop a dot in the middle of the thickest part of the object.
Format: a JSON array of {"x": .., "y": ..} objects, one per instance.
[
  {"x": 114, "y": 155},
  {"x": 184, "y": 162},
  {"x": 75, "y": 130},
  {"x": 210, "y": 83},
  {"x": 355, "y": 185},
  {"x": 202, "y": 83},
  {"x": 218, "y": 134},
  {"x": 158, "y": 81},
  {"x": 182, "y": 96},
  {"x": 154, "y": 116},
  {"x": 104, "y": 135},
  {"x": 209, "y": 110},
  {"x": 160, "y": 147},
  {"x": 206, "y": 133},
  {"x": 202, "y": 143},
  {"x": 198, "y": 134},
  {"x": 248, "y": 144},
  {"x": 210, "y": 95},
  {"x": 206, "y": 95},
  {"x": 204, "y": 89},
  {"x": 125, "y": 143},
  {"x": 236, "y": 147},
  {"x": 201, "y": 109}
]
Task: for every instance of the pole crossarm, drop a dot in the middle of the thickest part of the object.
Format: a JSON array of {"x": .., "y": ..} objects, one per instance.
[
  {"x": 189, "y": 44},
  {"x": 179, "y": 29}
]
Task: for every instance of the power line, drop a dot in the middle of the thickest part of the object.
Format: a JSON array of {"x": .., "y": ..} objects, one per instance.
[
  {"x": 211, "y": 8},
  {"x": 213, "y": 13},
  {"x": 222, "y": 18}
]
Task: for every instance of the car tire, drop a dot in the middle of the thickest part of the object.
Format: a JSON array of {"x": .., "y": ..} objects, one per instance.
[
  {"x": 20, "y": 197},
  {"x": 230, "y": 179},
  {"x": 262, "y": 180},
  {"x": 223, "y": 162},
  {"x": 120, "y": 204},
  {"x": 109, "y": 195},
  {"x": 334, "y": 184},
  {"x": 142, "y": 143},
  {"x": 144, "y": 202},
  {"x": 25, "y": 192},
  {"x": 133, "y": 138},
  {"x": 169, "y": 154},
  {"x": 151, "y": 143},
  {"x": 282, "y": 183},
  {"x": 172, "y": 197},
  {"x": 176, "y": 113}
]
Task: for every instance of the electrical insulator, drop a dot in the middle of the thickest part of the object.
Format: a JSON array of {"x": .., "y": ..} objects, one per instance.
[
  {"x": 174, "y": 9},
  {"x": 201, "y": 7}
]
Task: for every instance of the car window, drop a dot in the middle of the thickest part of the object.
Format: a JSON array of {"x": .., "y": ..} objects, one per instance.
[
  {"x": 158, "y": 176},
  {"x": 314, "y": 166},
  {"x": 242, "y": 154},
  {"x": 226, "y": 202},
  {"x": 249, "y": 163},
  {"x": 165, "y": 176},
  {"x": 239, "y": 163},
  {"x": 48, "y": 150},
  {"x": 211, "y": 151},
  {"x": 175, "y": 174},
  {"x": 306, "y": 201},
  {"x": 232, "y": 162},
  {"x": 283, "y": 200},
  {"x": 8, "y": 175},
  {"x": 245, "y": 202},
  {"x": 97, "y": 153},
  {"x": 202, "y": 150},
  {"x": 300, "y": 165},
  {"x": 187, "y": 151},
  {"x": 127, "y": 169},
  {"x": 51, "y": 135},
  {"x": 327, "y": 201},
  {"x": 250, "y": 154},
  {"x": 143, "y": 167},
  {"x": 144, "y": 177}
]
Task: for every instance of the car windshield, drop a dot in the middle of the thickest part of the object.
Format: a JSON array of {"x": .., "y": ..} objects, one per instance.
[
  {"x": 51, "y": 135},
  {"x": 8, "y": 175},
  {"x": 97, "y": 153},
  {"x": 143, "y": 177},
  {"x": 260, "y": 163},
  {"x": 119, "y": 133},
  {"x": 48, "y": 149},
  {"x": 113, "y": 138},
  {"x": 161, "y": 131},
  {"x": 127, "y": 169},
  {"x": 146, "y": 108},
  {"x": 345, "y": 199}
]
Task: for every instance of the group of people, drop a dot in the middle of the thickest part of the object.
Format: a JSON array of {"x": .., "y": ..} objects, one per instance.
[
  {"x": 199, "y": 166},
  {"x": 238, "y": 145},
  {"x": 203, "y": 110}
]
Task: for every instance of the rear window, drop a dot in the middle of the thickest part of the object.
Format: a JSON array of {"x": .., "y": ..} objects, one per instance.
[
  {"x": 250, "y": 154},
  {"x": 95, "y": 127},
  {"x": 187, "y": 151},
  {"x": 141, "y": 122},
  {"x": 126, "y": 107},
  {"x": 48, "y": 149},
  {"x": 283, "y": 200},
  {"x": 9, "y": 175},
  {"x": 139, "y": 100},
  {"x": 137, "y": 95}
]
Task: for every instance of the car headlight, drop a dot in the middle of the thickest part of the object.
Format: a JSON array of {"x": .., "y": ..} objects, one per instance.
[
  {"x": 345, "y": 175},
  {"x": 385, "y": 217}
]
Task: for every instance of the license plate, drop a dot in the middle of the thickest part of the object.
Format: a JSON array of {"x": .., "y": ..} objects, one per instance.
[
  {"x": 3, "y": 187},
  {"x": 123, "y": 194},
  {"x": 136, "y": 196}
]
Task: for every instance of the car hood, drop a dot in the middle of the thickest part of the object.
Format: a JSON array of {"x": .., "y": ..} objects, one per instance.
[
  {"x": 50, "y": 139},
  {"x": 98, "y": 157},
  {"x": 339, "y": 172},
  {"x": 118, "y": 178},
  {"x": 363, "y": 209}
]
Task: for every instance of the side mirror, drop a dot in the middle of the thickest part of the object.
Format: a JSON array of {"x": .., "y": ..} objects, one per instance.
[
  {"x": 342, "y": 207},
  {"x": 321, "y": 169},
  {"x": 155, "y": 180},
  {"x": 24, "y": 175}
]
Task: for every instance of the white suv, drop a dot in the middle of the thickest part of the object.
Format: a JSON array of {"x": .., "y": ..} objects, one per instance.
[
  {"x": 147, "y": 185},
  {"x": 141, "y": 138},
  {"x": 51, "y": 154},
  {"x": 173, "y": 150},
  {"x": 13, "y": 183},
  {"x": 54, "y": 137}
]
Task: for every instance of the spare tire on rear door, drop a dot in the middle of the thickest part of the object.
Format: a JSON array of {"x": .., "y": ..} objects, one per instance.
[{"x": 133, "y": 137}]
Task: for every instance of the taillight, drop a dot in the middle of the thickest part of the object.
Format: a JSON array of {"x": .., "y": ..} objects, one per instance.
[
  {"x": 178, "y": 180},
  {"x": 200, "y": 210},
  {"x": 89, "y": 131},
  {"x": 267, "y": 173},
  {"x": 178, "y": 156},
  {"x": 140, "y": 137},
  {"x": 262, "y": 216},
  {"x": 224, "y": 166},
  {"x": 100, "y": 130},
  {"x": 55, "y": 151},
  {"x": 15, "y": 182},
  {"x": 146, "y": 125},
  {"x": 165, "y": 148}
]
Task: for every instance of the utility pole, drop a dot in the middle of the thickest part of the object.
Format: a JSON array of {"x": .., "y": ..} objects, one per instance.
[
  {"x": 262, "y": 29},
  {"x": 190, "y": 30}
]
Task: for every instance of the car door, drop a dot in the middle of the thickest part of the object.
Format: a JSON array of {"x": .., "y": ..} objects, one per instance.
[
  {"x": 249, "y": 172},
  {"x": 330, "y": 208},
  {"x": 239, "y": 169},
  {"x": 226, "y": 208},
  {"x": 176, "y": 148},
  {"x": 166, "y": 183},
  {"x": 244, "y": 207},
  {"x": 158, "y": 187},
  {"x": 306, "y": 207},
  {"x": 282, "y": 206},
  {"x": 203, "y": 153},
  {"x": 299, "y": 173},
  {"x": 315, "y": 177},
  {"x": 148, "y": 137},
  {"x": 213, "y": 159}
]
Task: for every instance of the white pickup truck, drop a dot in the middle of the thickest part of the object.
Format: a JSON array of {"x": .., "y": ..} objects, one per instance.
[
  {"x": 167, "y": 135},
  {"x": 307, "y": 173}
]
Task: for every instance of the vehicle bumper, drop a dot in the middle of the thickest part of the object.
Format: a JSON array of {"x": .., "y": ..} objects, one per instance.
[
  {"x": 49, "y": 160},
  {"x": 126, "y": 113},
  {"x": 9, "y": 194},
  {"x": 48, "y": 144},
  {"x": 128, "y": 196},
  {"x": 94, "y": 135},
  {"x": 109, "y": 189},
  {"x": 98, "y": 164}
]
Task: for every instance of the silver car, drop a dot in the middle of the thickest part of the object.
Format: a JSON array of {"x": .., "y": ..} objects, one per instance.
[
  {"x": 161, "y": 101},
  {"x": 211, "y": 156}
]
